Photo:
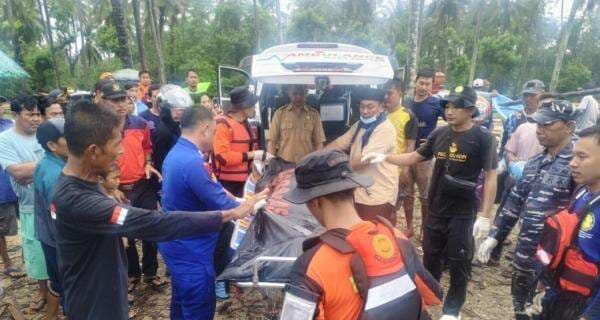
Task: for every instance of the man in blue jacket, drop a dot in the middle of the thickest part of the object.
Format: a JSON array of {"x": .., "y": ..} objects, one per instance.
[{"x": 188, "y": 185}]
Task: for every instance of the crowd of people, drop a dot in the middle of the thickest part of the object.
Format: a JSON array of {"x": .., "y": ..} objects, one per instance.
[{"x": 166, "y": 166}]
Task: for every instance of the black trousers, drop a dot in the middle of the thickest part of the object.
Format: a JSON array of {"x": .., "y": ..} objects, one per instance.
[
  {"x": 450, "y": 240},
  {"x": 142, "y": 195},
  {"x": 522, "y": 289}
]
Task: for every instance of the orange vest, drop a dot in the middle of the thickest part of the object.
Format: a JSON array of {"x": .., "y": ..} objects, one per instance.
[
  {"x": 559, "y": 253},
  {"x": 245, "y": 139}
]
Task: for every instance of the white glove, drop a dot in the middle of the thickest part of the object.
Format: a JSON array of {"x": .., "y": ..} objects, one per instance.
[
  {"x": 262, "y": 155},
  {"x": 448, "y": 317},
  {"x": 485, "y": 249},
  {"x": 481, "y": 228},
  {"x": 536, "y": 306},
  {"x": 373, "y": 158},
  {"x": 258, "y": 205}
]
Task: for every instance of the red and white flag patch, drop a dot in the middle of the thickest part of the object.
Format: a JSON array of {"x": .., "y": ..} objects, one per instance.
[{"x": 118, "y": 216}]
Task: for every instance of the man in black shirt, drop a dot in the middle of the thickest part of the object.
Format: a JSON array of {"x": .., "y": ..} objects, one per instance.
[
  {"x": 462, "y": 150},
  {"x": 90, "y": 225}
]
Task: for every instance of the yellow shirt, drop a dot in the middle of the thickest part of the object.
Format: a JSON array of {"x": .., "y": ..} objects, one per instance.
[
  {"x": 405, "y": 125},
  {"x": 385, "y": 174},
  {"x": 295, "y": 132}
]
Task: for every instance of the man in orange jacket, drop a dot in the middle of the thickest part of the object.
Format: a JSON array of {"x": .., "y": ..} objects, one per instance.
[
  {"x": 357, "y": 269},
  {"x": 236, "y": 142}
]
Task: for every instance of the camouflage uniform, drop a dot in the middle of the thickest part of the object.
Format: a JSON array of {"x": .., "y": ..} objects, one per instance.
[{"x": 545, "y": 189}]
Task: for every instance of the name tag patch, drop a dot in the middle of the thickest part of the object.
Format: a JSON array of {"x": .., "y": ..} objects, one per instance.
[{"x": 118, "y": 216}]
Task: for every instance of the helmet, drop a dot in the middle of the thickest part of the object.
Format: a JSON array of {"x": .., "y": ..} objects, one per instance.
[{"x": 171, "y": 95}]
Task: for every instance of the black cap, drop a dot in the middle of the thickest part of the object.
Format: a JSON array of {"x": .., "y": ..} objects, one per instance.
[
  {"x": 370, "y": 94},
  {"x": 321, "y": 173},
  {"x": 131, "y": 84},
  {"x": 553, "y": 111},
  {"x": 242, "y": 98},
  {"x": 462, "y": 97},
  {"x": 50, "y": 130},
  {"x": 113, "y": 91}
]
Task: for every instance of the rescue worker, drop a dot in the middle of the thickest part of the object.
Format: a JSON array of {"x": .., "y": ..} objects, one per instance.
[
  {"x": 296, "y": 129},
  {"x": 90, "y": 224},
  {"x": 189, "y": 186},
  {"x": 373, "y": 133},
  {"x": 236, "y": 142},
  {"x": 136, "y": 168},
  {"x": 570, "y": 252},
  {"x": 544, "y": 190},
  {"x": 406, "y": 126},
  {"x": 335, "y": 274},
  {"x": 462, "y": 150}
]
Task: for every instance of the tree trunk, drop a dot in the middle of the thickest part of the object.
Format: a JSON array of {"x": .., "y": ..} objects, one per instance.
[
  {"x": 157, "y": 44},
  {"x": 475, "y": 46},
  {"x": 121, "y": 26},
  {"x": 563, "y": 39},
  {"x": 139, "y": 36},
  {"x": 279, "y": 21},
  {"x": 15, "y": 37},
  {"x": 524, "y": 52},
  {"x": 420, "y": 33},
  {"x": 413, "y": 36},
  {"x": 256, "y": 32}
]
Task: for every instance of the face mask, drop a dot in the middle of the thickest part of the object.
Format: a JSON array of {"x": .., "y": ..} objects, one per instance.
[{"x": 368, "y": 120}]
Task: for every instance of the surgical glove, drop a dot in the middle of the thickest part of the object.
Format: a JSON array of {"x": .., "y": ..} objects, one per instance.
[
  {"x": 373, "y": 157},
  {"x": 485, "y": 249},
  {"x": 449, "y": 317},
  {"x": 481, "y": 228},
  {"x": 259, "y": 205}
]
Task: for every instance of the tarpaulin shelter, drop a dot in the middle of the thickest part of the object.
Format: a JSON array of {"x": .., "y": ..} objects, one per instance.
[{"x": 12, "y": 77}]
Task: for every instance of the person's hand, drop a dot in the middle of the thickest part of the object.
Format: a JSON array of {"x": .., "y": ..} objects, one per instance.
[
  {"x": 481, "y": 228},
  {"x": 261, "y": 155},
  {"x": 372, "y": 158},
  {"x": 119, "y": 196},
  {"x": 536, "y": 306},
  {"x": 150, "y": 170},
  {"x": 246, "y": 208},
  {"x": 125, "y": 242},
  {"x": 485, "y": 249}
]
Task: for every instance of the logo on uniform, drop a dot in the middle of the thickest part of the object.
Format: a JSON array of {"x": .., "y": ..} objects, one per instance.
[
  {"x": 459, "y": 89},
  {"x": 384, "y": 247},
  {"x": 453, "y": 147},
  {"x": 116, "y": 87},
  {"x": 588, "y": 222}
]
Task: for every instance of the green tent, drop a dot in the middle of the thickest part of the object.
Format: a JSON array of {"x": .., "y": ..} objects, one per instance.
[{"x": 12, "y": 77}]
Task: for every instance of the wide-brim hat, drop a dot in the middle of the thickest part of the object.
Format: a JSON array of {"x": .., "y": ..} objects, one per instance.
[
  {"x": 321, "y": 173},
  {"x": 242, "y": 98}
]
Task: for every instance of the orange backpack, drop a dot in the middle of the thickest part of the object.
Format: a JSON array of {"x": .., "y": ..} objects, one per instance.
[{"x": 559, "y": 253}]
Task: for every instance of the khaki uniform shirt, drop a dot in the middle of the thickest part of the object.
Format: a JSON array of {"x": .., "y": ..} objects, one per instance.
[
  {"x": 296, "y": 132},
  {"x": 385, "y": 174}
]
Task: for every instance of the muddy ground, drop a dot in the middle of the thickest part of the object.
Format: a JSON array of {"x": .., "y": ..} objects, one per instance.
[{"x": 488, "y": 295}]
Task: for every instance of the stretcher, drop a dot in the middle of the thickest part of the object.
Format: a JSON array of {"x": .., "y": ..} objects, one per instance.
[{"x": 256, "y": 283}]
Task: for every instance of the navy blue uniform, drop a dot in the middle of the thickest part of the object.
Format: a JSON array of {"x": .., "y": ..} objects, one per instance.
[{"x": 545, "y": 189}]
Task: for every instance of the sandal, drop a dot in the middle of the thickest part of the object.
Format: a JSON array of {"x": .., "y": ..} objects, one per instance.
[
  {"x": 156, "y": 282},
  {"x": 14, "y": 273}
]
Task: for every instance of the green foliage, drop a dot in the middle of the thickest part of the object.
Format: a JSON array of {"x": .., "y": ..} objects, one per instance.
[
  {"x": 106, "y": 38},
  {"x": 574, "y": 74},
  {"x": 499, "y": 57}
]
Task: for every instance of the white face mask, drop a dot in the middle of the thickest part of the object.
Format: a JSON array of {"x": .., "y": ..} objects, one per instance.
[{"x": 368, "y": 120}]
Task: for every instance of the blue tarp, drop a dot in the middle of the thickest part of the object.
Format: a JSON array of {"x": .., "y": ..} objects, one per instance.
[{"x": 505, "y": 111}]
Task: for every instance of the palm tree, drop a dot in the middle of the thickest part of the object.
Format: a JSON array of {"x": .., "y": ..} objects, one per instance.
[
  {"x": 138, "y": 33},
  {"x": 533, "y": 17},
  {"x": 45, "y": 17},
  {"x": 151, "y": 7},
  {"x": 563, "y": 39},
  {"x": 121, "y": 26},
  {"x": 412, "y": 56}
]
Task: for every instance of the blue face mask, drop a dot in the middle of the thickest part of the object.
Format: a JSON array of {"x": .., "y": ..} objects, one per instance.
[{"x": 368, "y": 120}]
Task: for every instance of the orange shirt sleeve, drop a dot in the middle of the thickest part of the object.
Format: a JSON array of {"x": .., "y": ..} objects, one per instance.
[
  {"x": 222, "y": 147},
  {"x": 147, "y": 142},
  {"x": 428, "y": 297}
]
